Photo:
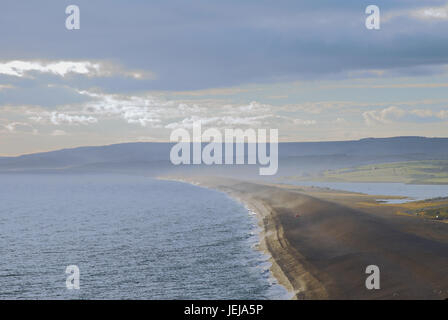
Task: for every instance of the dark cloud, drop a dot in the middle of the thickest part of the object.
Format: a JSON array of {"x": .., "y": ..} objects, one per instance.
[{"x": 201, "y": 44}]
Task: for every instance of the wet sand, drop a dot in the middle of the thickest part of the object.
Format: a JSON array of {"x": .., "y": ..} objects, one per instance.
[{"x": 321, "y": 242}]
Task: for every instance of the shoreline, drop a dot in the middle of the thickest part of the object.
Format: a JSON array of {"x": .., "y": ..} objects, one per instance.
[
  {"x": 259, "y": 212},
  {"x": 270, "y": 236},
  {"x": 319, "y": 243}
]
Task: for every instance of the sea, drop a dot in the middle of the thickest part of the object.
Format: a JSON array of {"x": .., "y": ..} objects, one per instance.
[{"x": 130, "y": 237}]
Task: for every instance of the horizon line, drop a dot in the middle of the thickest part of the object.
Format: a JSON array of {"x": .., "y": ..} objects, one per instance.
[{"x": 168, "y": 142}]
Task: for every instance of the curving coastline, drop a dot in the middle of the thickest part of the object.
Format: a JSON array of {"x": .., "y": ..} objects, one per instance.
[
  {"x": 320, "y": 245},
  {"x": 271, "y": 235}
]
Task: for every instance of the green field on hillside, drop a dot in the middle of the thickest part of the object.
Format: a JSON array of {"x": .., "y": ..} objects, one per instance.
[{"x": 417, "y": 172}]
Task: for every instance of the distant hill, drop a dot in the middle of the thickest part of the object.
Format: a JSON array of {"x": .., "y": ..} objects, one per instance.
[
  {"x": 295, "y": 157},
  {"x": 419, "y": 146},
  {"x": 83, "y": 156}
]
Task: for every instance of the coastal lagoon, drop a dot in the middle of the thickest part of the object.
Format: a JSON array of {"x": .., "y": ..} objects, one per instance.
[
  {"x": 131, "y": 237},
  {"x": 412, "y": 192}
]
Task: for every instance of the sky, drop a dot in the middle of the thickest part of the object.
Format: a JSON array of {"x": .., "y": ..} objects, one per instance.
[{"x": 136, "y": 70}]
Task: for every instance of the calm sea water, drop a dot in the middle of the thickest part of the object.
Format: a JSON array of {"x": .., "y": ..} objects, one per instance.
[
  {"x": 131, "y": 237},
  {"x": 413, "y": 192}
]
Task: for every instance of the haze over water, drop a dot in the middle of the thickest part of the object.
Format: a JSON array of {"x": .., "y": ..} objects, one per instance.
[{"x": 132, "y": 238}]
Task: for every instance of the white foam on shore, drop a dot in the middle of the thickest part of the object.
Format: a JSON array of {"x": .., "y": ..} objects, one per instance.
[
  {"x": 279, "y": 292},
  {"x": 264, "y": 265}
]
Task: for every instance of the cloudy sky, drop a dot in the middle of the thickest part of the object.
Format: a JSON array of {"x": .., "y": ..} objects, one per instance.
[{"x": 138, "y": 69}]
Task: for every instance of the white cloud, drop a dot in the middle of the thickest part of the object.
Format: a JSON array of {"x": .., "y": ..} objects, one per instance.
[
  {"x": 148, "y": 110},
  {"x": 20, "y": 68},
  {"x": 427, "y": 113},
  {"x": 339, "y": 121},
  {"x": 252, "y": 108},
  {"x": 423, "y": 113},
  {"x": 423, "y": 13},
  {"x": 152, "y": 111},
  {"x": 393, "y": 113},
  {"x": 432, "y": 13},
  {"x": 61, "y": 118},
  {"x": 384, "y": 116},
  {"x": 188, "y": 109},
  {"x": 20, "y": 127},
  {"x": 443, "y": 114},
  {"x": 226, "y": 121},
  {"x": 57, "y": 133},
  {"x": 304, "y": 122},
  {"x": 214, "y": 92},
  {"x": 144, "y": 110}
]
